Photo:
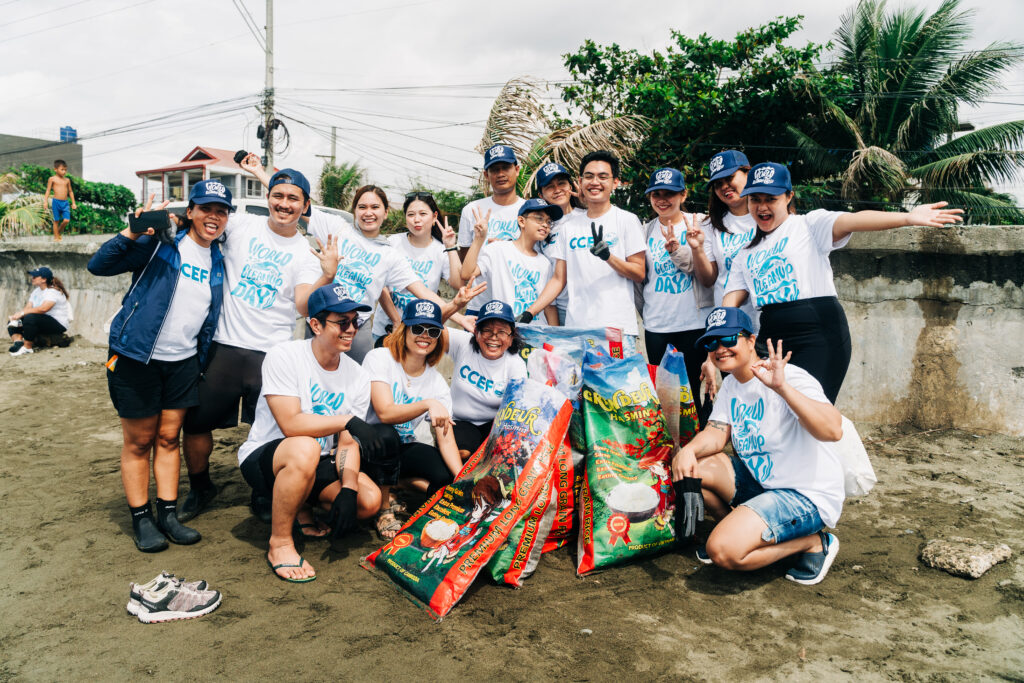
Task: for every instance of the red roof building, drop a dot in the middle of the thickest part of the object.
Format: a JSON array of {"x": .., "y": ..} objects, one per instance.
[{"x": 202, "y": 163}]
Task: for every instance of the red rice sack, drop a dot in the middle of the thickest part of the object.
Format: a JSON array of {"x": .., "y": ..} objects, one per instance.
[
  {"x": 441, "y": 549},
  {"x": 627, "y": 501},
  {"x": 568, "y": 479},
  {"x": 519, "y": 555}
]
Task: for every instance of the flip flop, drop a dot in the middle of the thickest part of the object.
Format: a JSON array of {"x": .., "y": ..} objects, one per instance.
[
  {"x": 283, "y": 565},
  {"x": 298, "y": 528}
]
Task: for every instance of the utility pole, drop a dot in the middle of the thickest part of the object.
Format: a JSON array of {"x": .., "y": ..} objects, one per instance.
[
  {"x": 268, "y": 91},
  {"x": 334, "y": 146}
]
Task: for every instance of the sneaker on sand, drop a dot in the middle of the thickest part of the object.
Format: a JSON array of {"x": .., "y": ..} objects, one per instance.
[
  {"x": 135, "y": 590},
  {"x": 175, "y": 601},
  {"x": 15, "y": 346},
  {"x": 22, "y": 351},
  {"x": 702, "y": 555},
  {"x": 811, "y": 568}
]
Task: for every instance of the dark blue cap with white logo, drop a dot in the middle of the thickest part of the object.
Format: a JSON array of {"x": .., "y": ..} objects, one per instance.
[
  {"x": 43, "y": 272},
  {"x": 333, "y": 297},
  {"x": 496, "y": 310},
  {"x": 422, "y": 312},
  {"x": 538, "y": 204},
  {"x": 549, "y": 172},
  {"x": 498, "y": 154},
  {"x": 724, "y": 164},
  {"x": 768, "y": 178},
  {"x": 289, "y": 176},
  {"x": 211, "y": 192},
  {"x": 724, "y": 321},
  {"x": 670, "y": 179}
]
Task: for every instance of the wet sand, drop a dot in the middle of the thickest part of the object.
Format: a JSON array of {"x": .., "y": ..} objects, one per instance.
[{"x": 66, "y": 558}]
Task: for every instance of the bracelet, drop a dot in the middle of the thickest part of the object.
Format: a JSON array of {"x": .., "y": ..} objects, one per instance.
[{"x": 447, "y": 249}]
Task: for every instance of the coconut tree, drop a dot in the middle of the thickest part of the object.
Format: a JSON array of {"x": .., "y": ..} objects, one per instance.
[
  {"x": 25, "y": 213},
  {"x": 518, "y": 119},
  {"x": 338, "y": 182},
  {"x": 894, "y": 137}
]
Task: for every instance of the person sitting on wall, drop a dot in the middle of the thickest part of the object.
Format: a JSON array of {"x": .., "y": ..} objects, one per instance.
[{"x": 47, "y": 312}]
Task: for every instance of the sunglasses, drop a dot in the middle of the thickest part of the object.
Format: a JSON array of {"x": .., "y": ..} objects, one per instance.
[
  {"x": 726, "y": 342},
  {"x": 346, "y": 323},
  {"x": 419, "y": 195},
  {"x": 429, "y": 330}
]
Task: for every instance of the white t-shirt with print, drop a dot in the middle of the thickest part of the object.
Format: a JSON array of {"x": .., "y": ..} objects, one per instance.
[
  {"x": 61, "y": 309},
  {"x": 598, "y": 296},
  {"x": 261, "y": 270},
  {"x": 365, "y": 266},
  {"x": 670, "y": 304},
  {"x": 548, "y": 249},
  {"x": 380, "y": 366},
  {"x": 189, "y": 306},
  {"x": 722, "y": 247},
  {"x": 777, "y": 450},
  {"x": 514, "y": 277},
  {"x": 430, "y": 264},
  {"x": 291, "y": 369},
  {"x": 790, "y": 263},
  {"x": 477, "y": 382},
  {"x": 502, "y": 225}
]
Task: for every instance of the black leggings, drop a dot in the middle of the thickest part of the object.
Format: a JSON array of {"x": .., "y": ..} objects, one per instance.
[
  {"x": 406, "y": 460},
  {"x": 817, "y": 333},
  {"x": 35, "y": 324},
  {"x": 657, "y": 342}
]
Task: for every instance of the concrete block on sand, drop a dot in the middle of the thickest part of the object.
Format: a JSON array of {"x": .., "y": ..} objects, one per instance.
[{"x": 964, "y": 556}]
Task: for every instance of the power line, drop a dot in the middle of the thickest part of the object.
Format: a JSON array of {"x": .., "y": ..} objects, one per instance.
[
  {"x": 76, "y": 21},
  {"x": 50, "y": 11},
  {"x": 250, "y": 23}
]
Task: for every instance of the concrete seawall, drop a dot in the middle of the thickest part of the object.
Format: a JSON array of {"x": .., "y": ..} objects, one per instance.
[{"x": 936, "y": 316}]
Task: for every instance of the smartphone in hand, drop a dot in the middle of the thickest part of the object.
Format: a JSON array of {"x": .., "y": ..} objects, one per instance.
[{"x": 158, "y": 220}]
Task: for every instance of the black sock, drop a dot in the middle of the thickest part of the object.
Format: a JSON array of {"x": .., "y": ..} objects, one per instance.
[
  {"x": 164, "y": 508},
  {"x": 138, "y": 514},
  {"x": 200, "y": 481}
]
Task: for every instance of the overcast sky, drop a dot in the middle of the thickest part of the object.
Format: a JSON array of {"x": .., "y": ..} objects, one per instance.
[{"x": 99, "y": 64}]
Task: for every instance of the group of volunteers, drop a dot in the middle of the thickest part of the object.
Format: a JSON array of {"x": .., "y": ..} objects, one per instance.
[{"x": 342, "y": 419}]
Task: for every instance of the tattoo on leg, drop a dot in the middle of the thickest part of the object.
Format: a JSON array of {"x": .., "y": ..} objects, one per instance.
[{"x": 339, "y": 460}]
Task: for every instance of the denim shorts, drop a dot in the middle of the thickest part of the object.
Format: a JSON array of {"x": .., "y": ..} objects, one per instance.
[{"x": 788, "y": 513}]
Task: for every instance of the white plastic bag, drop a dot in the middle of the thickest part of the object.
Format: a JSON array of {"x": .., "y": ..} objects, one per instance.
[{"x": 858, "y": 474}]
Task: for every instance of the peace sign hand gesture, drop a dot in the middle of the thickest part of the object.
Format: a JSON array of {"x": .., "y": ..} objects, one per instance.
[
  {"x": 600, "y": 248},
  {"x": 328, "y": 256},
  {"x": 771, "y": 372},
  {"x": 694, "y": 235},
  {"x": 480, "y": 223},
  {"x": 448, "y": 237},
  {"x": 671, "y": 241},
  {"x": 468, "y": 292}
]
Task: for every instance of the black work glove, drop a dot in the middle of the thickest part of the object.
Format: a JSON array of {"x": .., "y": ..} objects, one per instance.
[
  {"x": 342, "y": 516},
  {"x": 689, "y": 507},
  {"x": 389, "y": 328},
  {"x": 600, "y": 248},
  {"x": 371, "y": 448},
  {"x": 525, "y": 318}
]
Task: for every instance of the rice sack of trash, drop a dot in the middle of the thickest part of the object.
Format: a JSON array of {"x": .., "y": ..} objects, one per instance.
[
  {"x": 627, "y": 500},
  {"x": 439, "y": 552},
  {"x": 676, "y": 397},
  {"x": 519, "y": 555}
]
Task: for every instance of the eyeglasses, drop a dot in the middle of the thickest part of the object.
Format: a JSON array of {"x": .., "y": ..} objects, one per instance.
[
  {"x": 726, "y": 342},
  {"x": 603, "y": 177},
  {"x": 346, "y": 323},
  {"x": 419, "y": 195},
  {"x": 543, "y": 221},
  {"x": 429, "y": 330},
  {"x": 496, "y": 334}
]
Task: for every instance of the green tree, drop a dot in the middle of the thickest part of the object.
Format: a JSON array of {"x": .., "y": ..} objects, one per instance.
[
  {"x": 102, "y": 207},
  {"x": 338, "y": 182},
  {"x": 702, "y": 95},
  {"x": 892, "y": 138}
]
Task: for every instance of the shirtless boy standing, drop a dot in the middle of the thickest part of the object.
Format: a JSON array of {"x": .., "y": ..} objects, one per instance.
[{"x": 60, "y": 186}]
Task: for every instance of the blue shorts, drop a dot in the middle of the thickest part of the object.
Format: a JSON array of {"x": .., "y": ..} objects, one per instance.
[
  {"x": 788, "y": 513},
  {"x": 61, "y": 209}
]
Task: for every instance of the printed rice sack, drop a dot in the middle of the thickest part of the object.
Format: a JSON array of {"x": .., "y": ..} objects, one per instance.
[
  {"x": 568, "y": 478},
  {"x": 627, "y": 501},
  {"x": 518, "y": 556},
  {"x": 676, "y": 397},
  {"x": 442, "y": 548}
]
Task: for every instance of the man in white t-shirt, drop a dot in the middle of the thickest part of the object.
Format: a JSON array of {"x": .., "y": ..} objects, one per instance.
[
  {"x": 270, "y": 272},
  {"x": 599, "y": 255},
  {"x": 313, "y": 392}
]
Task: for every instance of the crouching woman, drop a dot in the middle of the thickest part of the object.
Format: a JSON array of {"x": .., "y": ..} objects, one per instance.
[{"x": 784, "y": 486}]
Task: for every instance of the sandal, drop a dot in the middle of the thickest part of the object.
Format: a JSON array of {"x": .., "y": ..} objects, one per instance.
[
  {"x": 388, "y": 525},
  {"x": 398, "y": 508}
]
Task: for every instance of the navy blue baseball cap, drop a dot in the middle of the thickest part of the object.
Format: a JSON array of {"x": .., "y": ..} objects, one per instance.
[
  {"x": 549, "y": 172},
  {"x": 724, "y": 164},
  {"x": 724, "y": 321},
  {"x": 332, "y": 298},
  {"x": 43, "y": 272},
  {"x": 290, "y": 176},
  {"x": 497, "y": 154},
  {"x": 768, "y": 178},
  {"x": 670, "y": 179},
  {"x": 211, "y": 192},
  {"x": 538, "y": 204},
  {"x": 496, "y": 310},
  {"x": 422, "y": 312}
]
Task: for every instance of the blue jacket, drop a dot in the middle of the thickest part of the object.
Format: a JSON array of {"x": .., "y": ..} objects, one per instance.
[{"x": 154, "y": 267}]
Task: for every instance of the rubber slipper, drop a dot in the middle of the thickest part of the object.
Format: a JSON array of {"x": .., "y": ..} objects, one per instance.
[
  {"x": 283, "y": 565},
  {"x": 298, "y": 528}
]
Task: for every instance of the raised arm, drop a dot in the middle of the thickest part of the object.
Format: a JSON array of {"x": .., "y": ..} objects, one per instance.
[
  {"x": 551, "y": 290},
  {"x": 930, "y": 215},
  {"x": 704, "y": 268},
  {"x": 254, "y": 167},
  {"x": 480, "y": 223},
  {"x": 820, "y": 419}
]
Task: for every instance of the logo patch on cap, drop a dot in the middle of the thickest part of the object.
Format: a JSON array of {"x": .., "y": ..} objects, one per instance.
[
  {"x": 663, "y": 176},
  {"x": 763, "y": 175},
  {"x": 550, "y": 168},
  {"x": 215, "y": 187},
  {"x": 424, "y": 309},
  {"x": 339, "y": 291},
  {"x": 497, "y": 151},
  {"x": 493, "y": 307},
  {"x": 717, "y": 318},
  {"x": 717, "y": 164}
]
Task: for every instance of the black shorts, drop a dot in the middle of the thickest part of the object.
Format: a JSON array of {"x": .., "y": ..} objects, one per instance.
[
  {"x": 258, "y": 471},
  {"x": 232, "y": 374},
  {"x": 140, "y": 390},
  {"x": 469, "y": 436}
]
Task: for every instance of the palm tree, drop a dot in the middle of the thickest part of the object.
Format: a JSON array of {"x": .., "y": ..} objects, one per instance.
[
  {"x": 517, "y": 119},
  {"x": 338, "y": 182},
  {"x": 25, "y": 213},
  {"x": 909, "y": 77}
]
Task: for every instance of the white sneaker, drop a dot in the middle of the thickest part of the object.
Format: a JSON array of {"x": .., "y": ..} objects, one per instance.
[
  {"x": 22, "y": 351},
  {"x": 171, "y": 602},
  {"x": 135, "y": 590}
]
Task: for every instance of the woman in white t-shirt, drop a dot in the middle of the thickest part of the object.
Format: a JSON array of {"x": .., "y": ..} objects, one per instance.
[
  {"x": 785, "y": 270},
  {"x": 406, "y": 393},
  {"x": 432, "y": 251},
  {"x": 515, "y": 271},
  {"x": 555, "y": 185},
  {"x": 47, "y": 312},
  {"x": 675, "y": 303},
  {"x": 483, "y": 364},
  {"x": 774, "y": 498}
]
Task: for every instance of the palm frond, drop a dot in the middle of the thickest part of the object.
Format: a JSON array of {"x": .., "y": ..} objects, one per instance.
[
  {"x": 516, "y": 117},
  {"x": 877, "y": 168},
  {"x": 970, "y": 168},
  {"x": 621, "y": 135},
  {"x": 979, "y": 206},
  {"x": 823, "y": 162},
  {"x": 24, "y": 214}
]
